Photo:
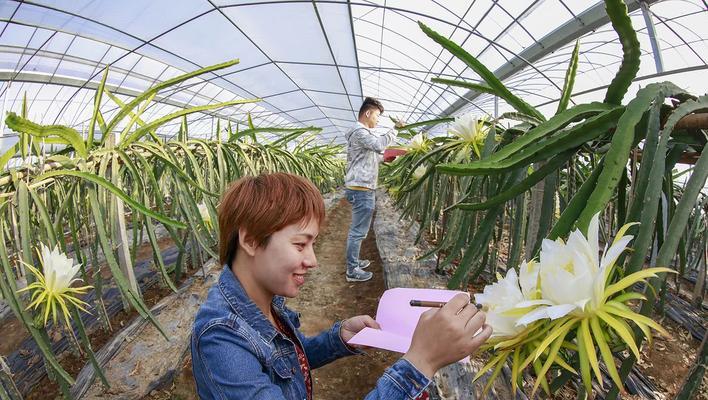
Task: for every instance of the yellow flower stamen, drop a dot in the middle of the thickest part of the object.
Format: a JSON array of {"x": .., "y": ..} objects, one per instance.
[{"x": 52, "y": 289}]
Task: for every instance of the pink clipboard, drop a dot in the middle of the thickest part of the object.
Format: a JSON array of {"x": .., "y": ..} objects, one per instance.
[{"x": 398, "y": 319}]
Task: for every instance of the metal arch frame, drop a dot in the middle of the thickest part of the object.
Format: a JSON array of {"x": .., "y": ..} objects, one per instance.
[
  {"x": 143, "y": 42},
  {"x": 565, "y": 6},
  {"x": 655, "y": 48},
  {"x": 349, "y": 3},
  {"x": 127, "y": 72},
  {"x": 639, "y": 79},
  {"x": 332, "y": 107},
  {"x": 356, "y": 53},
  {"x": 526, "y": 75},
  {"x": 427, "y": 71},
  {"x": 192, "y": 19},
  {"x": 400, "y": 68},
  {"x": 442, "y": 51},
  {"x": 220, "y": 10},
  {"x": 664, "y": 22},
  {"x": 36, "y": 51},
  {"x": 412, "y": 77},
  {"x": 362, "y": 68},
  {"x": 599, "y": 44},
  {"x": 514, "y": 20},
  {"x": 674, "y": 19},
  {"x": 404, "y": 13},
  {"x": 384, "y": 28},
  {"x": 552, "y": 64},
  {"x": 372, "y": 69},
  {"x": 331, "y": 53},
  {"x": 587, "y": 21},
  {"x": 443, "y": 89},
  {"x": 335, "y": 108},
  {"x": 42, "y": 78},
  {"x": 129, "y": 51},
  {"x": 593, "y": 51},
  {"x": 383, "y": 24},
  {"x": 405, "y": 38},
  {"x": 389, "y": 61},
  {"x": 14, "y": 12},
  {"x": 180, "y": 104},
  {"x": 21, "y": 55},
  {"x": 391, "y": 71}
]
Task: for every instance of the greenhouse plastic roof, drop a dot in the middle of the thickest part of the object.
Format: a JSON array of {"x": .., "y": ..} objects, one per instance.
[{"x": 311, "y": 61}]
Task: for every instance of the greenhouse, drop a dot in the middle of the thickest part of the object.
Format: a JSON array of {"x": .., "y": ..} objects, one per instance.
[{"x": 367, "y": 199}]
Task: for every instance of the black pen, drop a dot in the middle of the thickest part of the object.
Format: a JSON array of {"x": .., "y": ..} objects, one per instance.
[{"x": 439, "y": 304}]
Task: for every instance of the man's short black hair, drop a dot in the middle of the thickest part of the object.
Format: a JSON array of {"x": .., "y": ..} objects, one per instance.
[{"x": 370, "y": 103}]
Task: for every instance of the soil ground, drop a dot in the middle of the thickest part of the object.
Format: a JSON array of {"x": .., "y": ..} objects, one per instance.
[
  {"x": 71, "y": 362},
  {"x": 667, "y": 361},
  {"x": 327, "y": 297}
]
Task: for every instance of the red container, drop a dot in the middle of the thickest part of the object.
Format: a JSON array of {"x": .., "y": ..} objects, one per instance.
[{"x": 391, "y": 154}]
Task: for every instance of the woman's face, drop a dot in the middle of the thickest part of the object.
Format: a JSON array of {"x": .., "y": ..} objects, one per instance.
[{"x": 282, "y": 265}]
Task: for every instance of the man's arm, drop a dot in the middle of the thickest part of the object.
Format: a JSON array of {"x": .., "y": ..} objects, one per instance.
[{"x": 372, "y": 141}]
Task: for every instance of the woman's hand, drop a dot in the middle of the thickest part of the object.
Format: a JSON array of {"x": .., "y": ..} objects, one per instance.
[
  {"x": 447, "y": 335},
  {"x": 353, "y": 325}
]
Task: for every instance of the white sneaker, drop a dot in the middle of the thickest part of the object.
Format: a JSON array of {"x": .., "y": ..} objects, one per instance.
[{"x": 358, "y": 275}]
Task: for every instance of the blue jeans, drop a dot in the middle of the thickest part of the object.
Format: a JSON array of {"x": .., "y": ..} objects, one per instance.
[{"x": 363, "y": 203}]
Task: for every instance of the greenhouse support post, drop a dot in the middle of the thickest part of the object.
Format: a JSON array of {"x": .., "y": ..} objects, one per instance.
[
  {"x": 653, "y": 38},
  {"x": 4, "y": 107}
]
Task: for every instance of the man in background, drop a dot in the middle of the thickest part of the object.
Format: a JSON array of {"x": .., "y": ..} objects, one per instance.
[{"x": 365, "y": 148}]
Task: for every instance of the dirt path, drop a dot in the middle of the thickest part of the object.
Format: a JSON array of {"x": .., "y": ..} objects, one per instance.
[{"x": 326, "y": 298}]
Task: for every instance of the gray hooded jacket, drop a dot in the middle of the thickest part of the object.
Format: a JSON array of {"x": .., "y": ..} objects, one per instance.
[{"x": 365, "y": 149}]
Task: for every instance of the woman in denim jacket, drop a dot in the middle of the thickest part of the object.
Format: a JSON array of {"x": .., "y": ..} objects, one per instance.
[{"x": 246, "y": 344}]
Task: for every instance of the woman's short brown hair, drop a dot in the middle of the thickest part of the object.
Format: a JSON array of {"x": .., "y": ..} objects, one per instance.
[{"x": 263, "y": 205}]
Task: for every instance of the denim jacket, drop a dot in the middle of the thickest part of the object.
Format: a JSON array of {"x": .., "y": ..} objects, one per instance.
[
  {"x": 238, "y": 354},
  {"x": 365, "y": 148}
]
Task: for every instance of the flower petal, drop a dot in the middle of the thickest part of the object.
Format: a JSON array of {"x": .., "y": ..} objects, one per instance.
[
  {"x": 555, "y": 312},
  {"x": 615, "y": 250},
  {"x": 535, "y": 315},
  {"x": 532, "y": 303},
  {"x": 593, "y": 233}
]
